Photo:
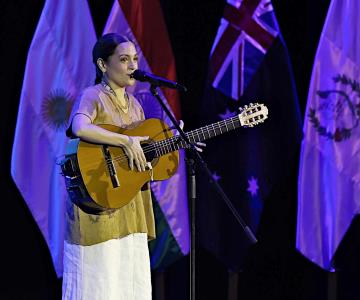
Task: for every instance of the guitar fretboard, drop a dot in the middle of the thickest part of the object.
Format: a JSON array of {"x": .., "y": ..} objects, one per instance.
[{"x": 204, "y": 133}]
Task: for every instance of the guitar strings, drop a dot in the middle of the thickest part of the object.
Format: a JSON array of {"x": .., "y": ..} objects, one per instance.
[
  {"x": 162, "y": 145},
  {"x": 156, "y": 146},
  {"x": 169, "y": 142}
]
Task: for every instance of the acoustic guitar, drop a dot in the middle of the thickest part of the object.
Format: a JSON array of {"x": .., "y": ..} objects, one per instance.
[{"x": 98, "y": 177}]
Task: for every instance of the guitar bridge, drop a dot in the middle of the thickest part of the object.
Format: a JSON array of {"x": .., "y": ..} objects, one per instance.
[{"x": 111, "y": 167}]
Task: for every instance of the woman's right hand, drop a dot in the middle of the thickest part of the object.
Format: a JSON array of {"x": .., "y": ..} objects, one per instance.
[
  {"x": 85, "y": 130},
  {"x": 134, "y": 152}
]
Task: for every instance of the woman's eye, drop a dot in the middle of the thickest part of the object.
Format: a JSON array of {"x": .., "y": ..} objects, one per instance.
[
  {"x": 123, "y": 59},
  {"x": 136, "y": 58}
]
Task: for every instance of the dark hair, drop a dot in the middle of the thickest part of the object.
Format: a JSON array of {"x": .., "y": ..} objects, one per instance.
[{"x": 105, "y": 47}]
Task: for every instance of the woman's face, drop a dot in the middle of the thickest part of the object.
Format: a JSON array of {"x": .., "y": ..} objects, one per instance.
[{"x": 121, "y": 64}]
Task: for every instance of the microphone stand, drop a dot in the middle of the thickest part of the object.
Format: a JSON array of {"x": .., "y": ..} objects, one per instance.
[{"x": 191, "y": 169}]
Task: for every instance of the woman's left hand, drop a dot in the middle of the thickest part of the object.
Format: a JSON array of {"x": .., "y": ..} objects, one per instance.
[{"x": 198, "y": 145}]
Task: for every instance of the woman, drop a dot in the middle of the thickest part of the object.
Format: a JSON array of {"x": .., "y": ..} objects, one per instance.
[{"x": 106, "y": 256}]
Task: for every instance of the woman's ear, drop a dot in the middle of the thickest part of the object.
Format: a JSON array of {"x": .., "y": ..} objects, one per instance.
[{"x": 101, "y": 64}]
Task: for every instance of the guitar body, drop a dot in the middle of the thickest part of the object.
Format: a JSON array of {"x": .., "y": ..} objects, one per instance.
[{"x": 98, "y": 177}]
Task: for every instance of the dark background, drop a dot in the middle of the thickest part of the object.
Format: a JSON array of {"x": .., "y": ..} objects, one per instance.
[{"x": 273, "y": 269}]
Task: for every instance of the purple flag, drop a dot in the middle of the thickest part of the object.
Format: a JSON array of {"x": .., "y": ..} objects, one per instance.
[
  {"x": 329, "y": 175},
  {"x": 59, "y": 66},
  {"x": 171, "y": 211}
]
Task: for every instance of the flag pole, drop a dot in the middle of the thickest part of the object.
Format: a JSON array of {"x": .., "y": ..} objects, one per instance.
[{"x": 192, "y": 180}]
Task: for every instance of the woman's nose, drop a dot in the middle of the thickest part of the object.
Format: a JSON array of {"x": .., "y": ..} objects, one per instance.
[{"x": 132, "y": 65}]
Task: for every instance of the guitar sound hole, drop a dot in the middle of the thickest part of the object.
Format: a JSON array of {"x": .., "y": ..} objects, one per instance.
[{"x": 149, "y": 151}]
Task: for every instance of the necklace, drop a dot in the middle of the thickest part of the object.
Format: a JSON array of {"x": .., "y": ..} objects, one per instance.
[
  {"x": 108, "y": 87},
  {"x": 124, "y": 107}
]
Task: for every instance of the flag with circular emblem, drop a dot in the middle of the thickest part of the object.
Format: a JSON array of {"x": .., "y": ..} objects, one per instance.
[
  {"x": 329, "y": 172},
  {"x": 58, "y": 67}
]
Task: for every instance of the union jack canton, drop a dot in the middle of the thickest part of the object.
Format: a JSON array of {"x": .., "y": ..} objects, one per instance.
[{"x": 247, "y": 30}]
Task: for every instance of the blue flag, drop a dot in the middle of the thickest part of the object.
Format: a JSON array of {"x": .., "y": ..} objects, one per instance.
[{"x": 248, "y": 63}]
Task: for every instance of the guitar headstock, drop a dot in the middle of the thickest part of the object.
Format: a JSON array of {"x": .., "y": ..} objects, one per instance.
[{"x": 253, "y": 114}]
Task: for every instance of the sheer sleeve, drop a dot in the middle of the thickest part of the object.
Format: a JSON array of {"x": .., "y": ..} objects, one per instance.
[{"x": 87, "y": 104}]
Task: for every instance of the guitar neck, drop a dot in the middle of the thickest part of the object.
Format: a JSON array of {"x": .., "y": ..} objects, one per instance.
[{"x": 198, "y": 135}]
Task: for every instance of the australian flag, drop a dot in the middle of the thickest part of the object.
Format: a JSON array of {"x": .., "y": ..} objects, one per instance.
[{"x": 248, "y": 63}]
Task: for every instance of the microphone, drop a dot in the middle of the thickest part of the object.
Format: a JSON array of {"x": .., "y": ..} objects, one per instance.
[{"x": 156, "y": 80}]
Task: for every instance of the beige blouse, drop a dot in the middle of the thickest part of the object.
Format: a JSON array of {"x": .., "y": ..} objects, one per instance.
[{"x": 101, "y": 107}]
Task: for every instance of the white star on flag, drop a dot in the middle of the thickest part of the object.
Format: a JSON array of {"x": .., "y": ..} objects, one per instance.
[{"x": 253, "y": 186}]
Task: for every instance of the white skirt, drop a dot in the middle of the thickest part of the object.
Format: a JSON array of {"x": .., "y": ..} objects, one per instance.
[{"x": 116, "y": 269}]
